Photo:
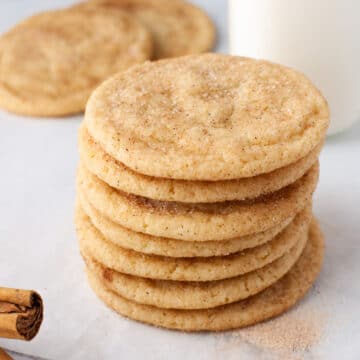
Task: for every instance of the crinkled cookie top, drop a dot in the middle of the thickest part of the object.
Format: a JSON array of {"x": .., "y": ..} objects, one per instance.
[{"x": 207, "y": 117}]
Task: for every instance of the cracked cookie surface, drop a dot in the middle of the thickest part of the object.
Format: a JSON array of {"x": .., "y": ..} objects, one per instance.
[
  {"x": 51, "y": 62},
  {"x": 207, "y": 117}
]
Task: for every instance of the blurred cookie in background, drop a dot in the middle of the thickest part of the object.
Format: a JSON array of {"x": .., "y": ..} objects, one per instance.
[
  {"x": 178, "y": 27},
  {"x": 51, "y": 62}
]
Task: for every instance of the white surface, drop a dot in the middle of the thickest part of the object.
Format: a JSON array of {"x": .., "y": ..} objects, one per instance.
[
  {"x": 38, "y": 247},
  {"x": 318, "y": 37}
]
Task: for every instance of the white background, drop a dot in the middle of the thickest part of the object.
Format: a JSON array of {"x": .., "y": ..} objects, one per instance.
[{"x": 38, "y": 247}]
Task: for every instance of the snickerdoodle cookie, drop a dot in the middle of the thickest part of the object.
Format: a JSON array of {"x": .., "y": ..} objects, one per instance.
[
  {"x": 154, "y": 245},
  {"x": 177, "y": 27},
  {"x": 200, "y": 221},
  {"x": 273, "y": 301},
  {"x": 117, "y": 175},
  {"x": 207, "y": 117},
  {"x": 195, "y": 295},
  {"x": 51, "y": 62},
  {"x": 93, "y": 243}
]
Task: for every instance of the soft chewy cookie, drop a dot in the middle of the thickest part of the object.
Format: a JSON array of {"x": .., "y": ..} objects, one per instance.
[
  {"x": 117, "y": 175},
  {"x": 195, "y": 295},
  {"x": 51, "y": 62},
  {"x": 271, "y": 302},
  {"x": 178, "y": 28},
  {"x": 207, "y": 117},
  {"x": 153, "y": 245},
  {"x": 197, "y": 222},
  {"x": 186, "y": 269}
]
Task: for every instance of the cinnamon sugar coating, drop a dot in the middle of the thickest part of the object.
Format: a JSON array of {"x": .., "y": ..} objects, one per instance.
[{"x": 207, "y": 117}]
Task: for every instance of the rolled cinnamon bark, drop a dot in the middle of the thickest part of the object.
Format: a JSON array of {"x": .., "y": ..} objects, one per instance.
[
  {"x": 21, "y": 313},
  {"x": 4, "y": 355}
]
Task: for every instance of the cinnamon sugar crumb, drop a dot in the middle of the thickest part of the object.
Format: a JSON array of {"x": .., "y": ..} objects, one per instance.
[
  {"x": 296, "y": 330},
  {"x": 292, "y": 333},
  {"x": 108, "y": 275},
  {"x": 290, "y": 336}
]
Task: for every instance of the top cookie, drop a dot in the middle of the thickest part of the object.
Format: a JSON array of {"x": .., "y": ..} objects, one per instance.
[
  {"x": 51, "y": 62},
  {"x": 178, "y": 28},
  {"x": 207, "y": 117}
]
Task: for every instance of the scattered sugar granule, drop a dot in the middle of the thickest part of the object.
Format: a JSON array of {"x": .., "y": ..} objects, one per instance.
[
  {"x": 297, "y": 330},
  {"x": 290, "y": 336}
]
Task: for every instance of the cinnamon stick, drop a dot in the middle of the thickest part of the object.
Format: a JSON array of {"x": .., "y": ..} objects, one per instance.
[
  {"x": 4, "y": 355},
  {"x": 21, "y": 313}
]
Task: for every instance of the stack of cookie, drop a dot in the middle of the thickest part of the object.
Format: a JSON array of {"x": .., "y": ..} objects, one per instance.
[{"x": 194, "y": 191}]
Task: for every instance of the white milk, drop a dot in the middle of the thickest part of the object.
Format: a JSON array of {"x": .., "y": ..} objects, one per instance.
[{"x": 318, "y": 37}]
